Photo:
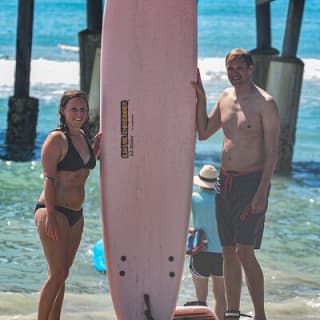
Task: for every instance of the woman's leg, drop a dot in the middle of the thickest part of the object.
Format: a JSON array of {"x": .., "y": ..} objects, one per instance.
[
  {"x": 75, "y": 234},
  {"x": 56, "y": 253}
]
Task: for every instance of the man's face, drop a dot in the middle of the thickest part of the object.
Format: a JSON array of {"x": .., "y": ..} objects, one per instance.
[{"x": 238, "y": 72}]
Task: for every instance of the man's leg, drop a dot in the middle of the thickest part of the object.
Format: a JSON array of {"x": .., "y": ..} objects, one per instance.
[
  {"x": 254, "y": 279},
  {"x": 232, "y": 277},
  {"x": 219, "y": 296}
]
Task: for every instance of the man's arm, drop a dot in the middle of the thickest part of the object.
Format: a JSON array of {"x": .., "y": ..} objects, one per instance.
[
  {"x": 271, "y": 130},
  {"x": 206, "y": 126}
]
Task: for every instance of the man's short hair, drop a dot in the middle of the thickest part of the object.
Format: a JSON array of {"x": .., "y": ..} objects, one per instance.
[{"x": 240, "y": 53}]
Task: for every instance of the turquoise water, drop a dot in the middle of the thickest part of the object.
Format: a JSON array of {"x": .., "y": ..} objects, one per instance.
[{"x": 290, "y": 251}]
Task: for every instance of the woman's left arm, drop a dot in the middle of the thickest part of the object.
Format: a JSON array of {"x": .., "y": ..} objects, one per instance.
[{"x": 96, "y": 145}]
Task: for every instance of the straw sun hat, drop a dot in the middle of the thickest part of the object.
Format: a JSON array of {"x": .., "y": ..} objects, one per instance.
[{"x": 207, "y": 177}]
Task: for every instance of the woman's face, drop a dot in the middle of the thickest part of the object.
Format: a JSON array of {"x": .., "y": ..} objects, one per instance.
[{"x": 75, "y": 112}]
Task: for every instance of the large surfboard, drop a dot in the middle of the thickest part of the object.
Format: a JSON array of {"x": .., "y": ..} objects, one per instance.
[{"x": 148, "y": 60}]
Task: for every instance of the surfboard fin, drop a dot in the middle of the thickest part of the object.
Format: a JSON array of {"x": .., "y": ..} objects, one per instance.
[{"x": 147, "y": 312}]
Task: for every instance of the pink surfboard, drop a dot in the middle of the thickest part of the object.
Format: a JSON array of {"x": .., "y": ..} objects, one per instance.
[{"x": 148, "y": 60}]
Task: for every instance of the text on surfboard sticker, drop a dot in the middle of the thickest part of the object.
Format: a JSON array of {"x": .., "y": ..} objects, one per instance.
[{"x": 126, "y": 145}]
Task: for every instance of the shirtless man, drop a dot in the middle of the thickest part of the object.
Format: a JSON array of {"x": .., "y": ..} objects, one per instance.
[{"x": 249, "y": 119}]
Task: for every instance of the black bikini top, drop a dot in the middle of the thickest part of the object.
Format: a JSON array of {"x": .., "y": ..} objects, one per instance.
[{"x": 73, "y": 161}]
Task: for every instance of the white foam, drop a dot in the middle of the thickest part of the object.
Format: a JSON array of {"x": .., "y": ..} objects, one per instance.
[
  {"x": 54, "y": 72},
  {"x": 214, "y": 69},
  {"x": 66, "y": 73},
  {"x": 42, "y": 72}
]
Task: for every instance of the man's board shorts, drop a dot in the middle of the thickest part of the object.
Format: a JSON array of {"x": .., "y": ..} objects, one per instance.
[
  {"x": 236, "y": 223},
  {"x": 206, "y": 264}
]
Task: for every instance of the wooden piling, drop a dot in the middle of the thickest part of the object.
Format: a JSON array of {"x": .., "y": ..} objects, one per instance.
[
  {"x": 94, "y": 97},
  {"x": 23, "y": 110},
  {"x": 284, "y": 83},
  {"x": 264, "y": 52},
  {"x": 22, "y": 119},
  {"x": 89, "y": 41}
]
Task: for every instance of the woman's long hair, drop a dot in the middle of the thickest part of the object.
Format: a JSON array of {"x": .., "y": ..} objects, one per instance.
[{"x": 66, "y": 97}]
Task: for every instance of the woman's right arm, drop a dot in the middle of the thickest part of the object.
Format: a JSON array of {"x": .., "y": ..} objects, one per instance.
[{"x": 50, "y": 155}]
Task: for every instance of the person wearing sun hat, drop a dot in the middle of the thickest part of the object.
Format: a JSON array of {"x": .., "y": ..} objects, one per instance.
[
  {"x": 209, "y": 263},
  {"x": 207, "y": 177}
]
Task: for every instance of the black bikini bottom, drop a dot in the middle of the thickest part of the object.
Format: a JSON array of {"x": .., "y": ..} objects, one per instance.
[{"x": 73, "y": 216}]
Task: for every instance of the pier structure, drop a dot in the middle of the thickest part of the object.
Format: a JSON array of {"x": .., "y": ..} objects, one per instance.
[
  {"x": 281, "y": 74},
  {"x": 264, "y": 52},
  {"x": 22, "y": 109},
  {"x": 90, "y": 46},
  {"x": 284, "y": 83}
]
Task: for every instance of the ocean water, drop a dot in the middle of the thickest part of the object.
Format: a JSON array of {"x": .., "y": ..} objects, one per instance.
[{"x": 290, "y": 254}]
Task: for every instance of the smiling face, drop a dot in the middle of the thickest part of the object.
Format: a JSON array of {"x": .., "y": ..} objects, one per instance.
[
  {"x": 74, "y": 109},
  {"x": 75, "y": 112},
  {"x": 238, "y": 71},
  {"x": 239, "y": 65}
]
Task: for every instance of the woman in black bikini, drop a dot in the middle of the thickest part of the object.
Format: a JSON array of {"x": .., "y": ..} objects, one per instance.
[{"x": 67, "y": 158}]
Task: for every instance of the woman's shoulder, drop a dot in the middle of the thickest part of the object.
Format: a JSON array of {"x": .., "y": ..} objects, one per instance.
[
  {"x": 56, "y": 138},
  {"x": 57, "y": 134}
]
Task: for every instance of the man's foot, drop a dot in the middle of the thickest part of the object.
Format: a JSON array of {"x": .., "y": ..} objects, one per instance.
[
  {"x": 232, "y": 314},
  {"x": 195, "y": 303},
  {"x": 235, "y": 314}
]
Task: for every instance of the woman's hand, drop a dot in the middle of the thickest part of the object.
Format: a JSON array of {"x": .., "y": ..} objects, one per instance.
[
  {"x": 51, "y": 227},
  {"x": 96, "y": 144}
]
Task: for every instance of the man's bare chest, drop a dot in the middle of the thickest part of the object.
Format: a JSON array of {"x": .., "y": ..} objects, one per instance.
[{"x": 240, "y": 118}]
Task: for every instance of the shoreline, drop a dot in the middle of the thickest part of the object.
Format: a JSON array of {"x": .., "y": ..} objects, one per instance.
[{"x": 22, "y": 306}]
